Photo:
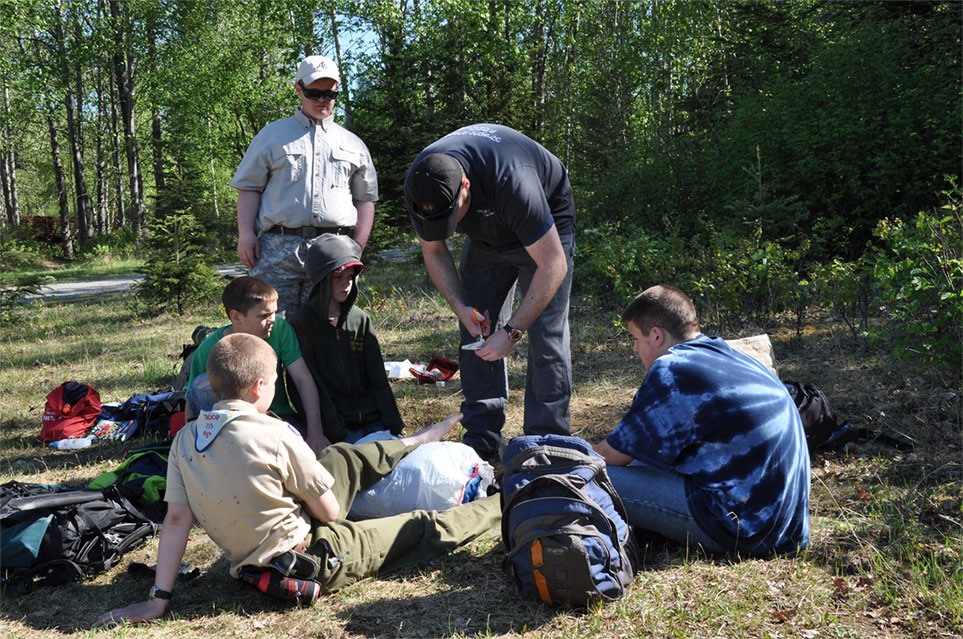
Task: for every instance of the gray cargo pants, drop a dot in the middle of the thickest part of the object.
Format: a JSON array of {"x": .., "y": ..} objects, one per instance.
[{"x": 488, "y": 278}]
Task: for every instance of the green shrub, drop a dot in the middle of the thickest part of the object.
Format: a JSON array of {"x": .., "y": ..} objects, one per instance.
[
  {"x": 117, "y": 245},
  {"x": 847, "y": 289},
  {"x": 18, "y": 250},
  {"x": 178, "y": 274},
  {"x": 918, "y": 272},
  {"x": 611, "y": 268},
  {"x": 747, "y": 281},
  {"x": 732, "y": 280}
]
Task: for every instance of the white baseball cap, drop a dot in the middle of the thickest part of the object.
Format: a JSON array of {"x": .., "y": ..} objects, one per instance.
[{"x": 315, "y": 67}]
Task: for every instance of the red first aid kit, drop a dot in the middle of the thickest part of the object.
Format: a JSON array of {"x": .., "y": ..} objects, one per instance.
[{"x": 438, "y": 369}]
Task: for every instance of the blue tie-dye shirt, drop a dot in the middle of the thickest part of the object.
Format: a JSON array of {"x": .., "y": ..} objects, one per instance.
[{"x": 727, "y": 424}]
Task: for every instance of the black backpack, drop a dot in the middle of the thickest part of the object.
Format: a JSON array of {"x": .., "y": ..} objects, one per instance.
[
  {"x": 563, "y": 524},
  {"x": 146, "y": 414},
  {"x": 141, "y": 478},
  {"x": 822, "y": 427},
  {"x": 51, "y": 535}
]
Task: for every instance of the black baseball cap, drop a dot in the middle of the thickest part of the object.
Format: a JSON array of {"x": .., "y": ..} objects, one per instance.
[{"x": 432, "y": 191}]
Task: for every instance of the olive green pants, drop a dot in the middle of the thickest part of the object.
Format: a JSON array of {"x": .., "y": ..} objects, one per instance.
[{"x": 352, "y": 550}]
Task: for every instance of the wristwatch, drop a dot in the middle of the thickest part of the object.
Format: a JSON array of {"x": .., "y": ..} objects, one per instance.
[
  {"x": 514, "y": 334},
  {"x": 157, "y": 593}
]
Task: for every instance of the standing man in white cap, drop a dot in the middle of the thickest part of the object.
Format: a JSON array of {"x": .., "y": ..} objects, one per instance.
[{"x": 300, "y": 178}]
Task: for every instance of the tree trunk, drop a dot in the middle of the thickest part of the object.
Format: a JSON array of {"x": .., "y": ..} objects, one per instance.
[
  {"x": 116, "y": 170},
  {"x": 101, "y": 222},
  {"x": 125, "y": 95},
  {"x": 217, "y": 209},
  {"x": 8, "y": 166},
  {"x": 60, "y": 182},
  {"x": 345, "y": 97},
  {"x": 539, "y": 68},
  {"x": 156, "y": 127},
  {"x": 73, "y": 102}
]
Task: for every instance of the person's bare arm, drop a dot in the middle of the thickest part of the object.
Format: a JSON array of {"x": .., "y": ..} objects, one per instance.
[
  {"x": 441, "y": 269},
  {"x": 362, "y": 228},
  {"x": 551, "y": 267},
  {"x": 308, "y": 391},
  {"x": 170, "y": 552},
  {"x": 324, "y": 508},
  {"x": 611, "y": 456},
  {"x": 248, "y": 205}
]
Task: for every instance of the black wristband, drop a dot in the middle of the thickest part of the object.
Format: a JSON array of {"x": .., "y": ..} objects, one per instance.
[{"x": 157, "y": 593}]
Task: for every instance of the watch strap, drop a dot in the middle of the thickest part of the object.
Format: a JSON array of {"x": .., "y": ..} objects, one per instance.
[
  {"x": 157, "y": 593},
  {"x": 514, "y": 334}
]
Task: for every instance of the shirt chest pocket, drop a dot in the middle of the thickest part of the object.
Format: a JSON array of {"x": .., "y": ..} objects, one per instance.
[
  {"x": 344, "y": 164},
  {"x": 289, "y": 163}
]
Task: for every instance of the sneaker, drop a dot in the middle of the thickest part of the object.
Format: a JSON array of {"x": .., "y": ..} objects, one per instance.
[
  {"x": 295, "y": 564},
  {"x": 274, "y": 584}
]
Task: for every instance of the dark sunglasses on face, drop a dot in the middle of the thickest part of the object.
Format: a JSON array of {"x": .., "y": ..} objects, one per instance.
[{"x": 318, "y": 94}]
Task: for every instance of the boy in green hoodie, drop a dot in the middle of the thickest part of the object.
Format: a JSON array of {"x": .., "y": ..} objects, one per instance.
[{"x": 340, "y": 348}]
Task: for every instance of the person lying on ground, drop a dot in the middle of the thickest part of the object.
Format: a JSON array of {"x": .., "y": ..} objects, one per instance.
[
  {"x": 251, "y": 305},
  {"x": 712, "y": 451},
  {"x": 275, "y": 509}
]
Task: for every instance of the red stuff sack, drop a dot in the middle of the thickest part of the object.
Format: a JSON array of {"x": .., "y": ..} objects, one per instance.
[{"x": 70, "y": 411}]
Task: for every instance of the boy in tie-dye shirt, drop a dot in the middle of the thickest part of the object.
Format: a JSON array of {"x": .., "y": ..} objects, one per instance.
[{"x": 712, "y": 451}]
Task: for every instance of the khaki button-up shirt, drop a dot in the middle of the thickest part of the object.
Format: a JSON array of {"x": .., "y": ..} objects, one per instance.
[{"x": 308, "y": 173}]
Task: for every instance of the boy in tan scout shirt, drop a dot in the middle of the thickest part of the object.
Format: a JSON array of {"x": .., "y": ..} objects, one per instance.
[{"x": 274, "y": 509}]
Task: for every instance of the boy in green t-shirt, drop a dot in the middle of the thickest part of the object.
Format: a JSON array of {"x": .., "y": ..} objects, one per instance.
[{"x": 251, "y": 304}]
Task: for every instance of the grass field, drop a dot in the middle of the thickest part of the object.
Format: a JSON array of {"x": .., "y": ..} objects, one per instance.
[{"x": 887, "y": 529}]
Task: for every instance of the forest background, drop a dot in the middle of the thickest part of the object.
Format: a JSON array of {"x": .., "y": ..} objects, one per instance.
[
  {"x": 766, "y": 156},
  {"x": 795, "y": 166}
]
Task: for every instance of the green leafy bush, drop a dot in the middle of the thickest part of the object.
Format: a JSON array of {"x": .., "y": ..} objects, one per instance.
[
  {"x": 110, "y": 247},
  {"x": 612, "y": 267},
  {"x": 918, "y": 273},
  {"x": 847, "y": 289},
  {"x": 732, "y": 280},
  {"x": 20, "y": 251}
]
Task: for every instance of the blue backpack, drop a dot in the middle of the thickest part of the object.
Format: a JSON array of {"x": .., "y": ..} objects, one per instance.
[
  {"x": 146, "y": 414},
  {"x": 563, "y": 524}
]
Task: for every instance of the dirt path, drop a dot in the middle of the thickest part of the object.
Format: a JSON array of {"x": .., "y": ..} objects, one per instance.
[{"x": 69, "y": 290}]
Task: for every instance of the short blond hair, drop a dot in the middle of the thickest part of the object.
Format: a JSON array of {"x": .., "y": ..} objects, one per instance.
[{"x": 236, "y": 362}]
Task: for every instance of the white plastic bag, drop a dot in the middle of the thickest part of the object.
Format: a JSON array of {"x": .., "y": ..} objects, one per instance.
[
  {"x": 398, "y": 370},
  {"x": 436, "y": 476}
]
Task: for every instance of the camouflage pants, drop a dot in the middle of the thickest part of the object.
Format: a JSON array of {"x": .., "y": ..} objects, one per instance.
[{"x": 281, "y": 265}]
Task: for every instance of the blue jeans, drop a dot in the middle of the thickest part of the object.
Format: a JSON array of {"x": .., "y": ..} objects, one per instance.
[
  {"x": 370, "y": 433},
  {"x": 655, "y": 500},
  {"x": 200, "y": 396},
  {"x": 488, "y": 279}
]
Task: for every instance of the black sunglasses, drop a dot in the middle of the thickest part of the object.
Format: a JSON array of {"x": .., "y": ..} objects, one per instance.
[{"x": 318, "y": 94}]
